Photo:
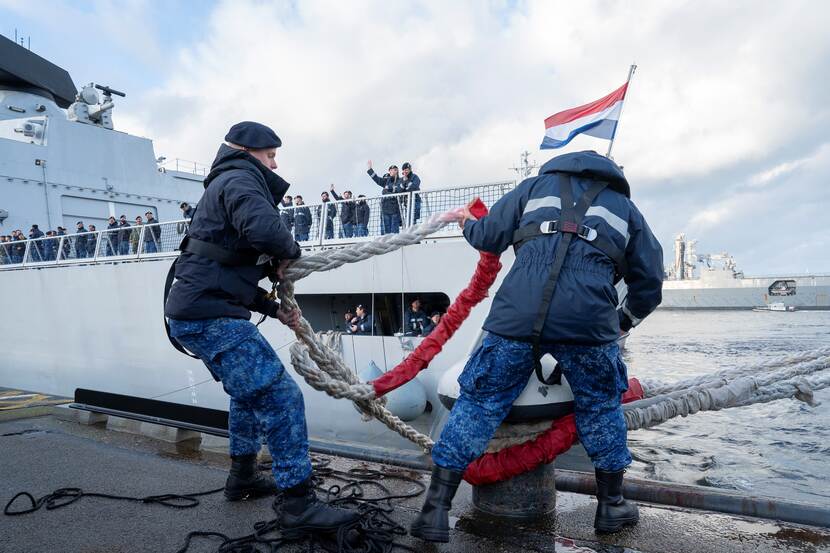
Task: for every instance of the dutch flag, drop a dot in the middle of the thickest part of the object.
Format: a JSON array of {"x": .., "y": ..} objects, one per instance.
[{"x": 597, "y": 119}]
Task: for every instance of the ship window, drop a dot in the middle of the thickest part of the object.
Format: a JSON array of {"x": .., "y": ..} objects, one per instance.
[
  {"x": 327, "y": 311},
  {"x": 782, "y": 288},
  {"x": 30, "y": 130}
]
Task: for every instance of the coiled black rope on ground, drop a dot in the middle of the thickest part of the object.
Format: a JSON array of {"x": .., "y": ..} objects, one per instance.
[
  {"x": 361, "y": 489},
  {"x": 67, "y": 496}
]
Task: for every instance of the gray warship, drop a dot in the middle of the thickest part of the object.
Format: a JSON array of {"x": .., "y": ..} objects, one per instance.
[
  {"x": 62, "y": 160},
  {"x": 713, "y": 281}
]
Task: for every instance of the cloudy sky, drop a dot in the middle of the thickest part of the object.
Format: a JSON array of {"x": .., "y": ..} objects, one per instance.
[{"x": 724, "y": 135}]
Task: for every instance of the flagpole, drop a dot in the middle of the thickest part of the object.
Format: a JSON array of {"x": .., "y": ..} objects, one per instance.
[{"x": 631, "y": 71}]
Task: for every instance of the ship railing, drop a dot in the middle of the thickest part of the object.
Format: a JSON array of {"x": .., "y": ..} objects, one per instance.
[
  {"x": 320, "y": 225},
  {"x": 430, "y": 202},
  {"x": 186, "y": 166},
  {"x": 134, "y": 242}
]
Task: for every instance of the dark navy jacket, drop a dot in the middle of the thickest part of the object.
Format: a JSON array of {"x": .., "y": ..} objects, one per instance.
[
  {"x": 347, "y": 211},
  {"x": 238, "y": 212},
  {"x": 331, "y": 212},
  {"x": 302, "y": 219},
  {"x": 413, "y": 184},
  {"x": 388, "y": 206},
  {"x": 414, "y": 322},
  {"x": 365, "y": 324},
  {"x": 287, "y": 215},
  {"x": 361, "y": 213},
  {"x": 124, "y": 233},
  {"x": 584, "y": 305},
  {"x": 113, "y": 234}
]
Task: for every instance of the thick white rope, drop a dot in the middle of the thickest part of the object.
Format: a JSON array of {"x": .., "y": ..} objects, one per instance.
[
  {"x": 763, "y": 378},
  {"x": 795, "y": 382},
  {"x": 319, "y": 364},
  {"x": 655, "y": 387},
  {"x": 327, "y": 260}
]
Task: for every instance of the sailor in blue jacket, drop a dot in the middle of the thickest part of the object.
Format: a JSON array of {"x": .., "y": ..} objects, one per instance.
[
  {"x": 209, "y": 307},
  {"x": 363, "y": 323},
  {"x": 412, "y": 183},
  {"x": 390, "y": 208},
  {"x": 603, "y": 237}
]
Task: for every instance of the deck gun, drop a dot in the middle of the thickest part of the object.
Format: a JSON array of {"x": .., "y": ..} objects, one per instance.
[{"x": 90, "y": 109}]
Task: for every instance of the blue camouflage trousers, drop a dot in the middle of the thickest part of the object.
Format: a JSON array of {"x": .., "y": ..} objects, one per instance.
[
  {"x": 265, "y": 400},
  {"x": 498, "y": 372}
]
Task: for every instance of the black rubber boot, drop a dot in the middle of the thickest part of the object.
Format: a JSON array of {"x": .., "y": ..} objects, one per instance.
[
  {"x": 303, "y": 513},
  {"x": 245, "y": 481},
  {"x": 613, "y": 511},
  {"x": 433, "y": 523}
]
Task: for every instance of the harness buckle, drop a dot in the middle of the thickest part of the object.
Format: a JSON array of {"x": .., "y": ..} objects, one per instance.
[
  {"x": 587, "y": 233},
  {"x": 548, "y": 227}
]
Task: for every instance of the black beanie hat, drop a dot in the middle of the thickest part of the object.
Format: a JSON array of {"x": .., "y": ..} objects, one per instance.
[{"x": 250, "y": 134}]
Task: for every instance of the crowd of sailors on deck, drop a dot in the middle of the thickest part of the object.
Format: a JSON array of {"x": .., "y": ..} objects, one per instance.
[
  {"x": 122, "y": 237},
  {"x": 119, "y": 238},
  {"x": 416, "y": 322},
  {"x": 354, "y": 213}
]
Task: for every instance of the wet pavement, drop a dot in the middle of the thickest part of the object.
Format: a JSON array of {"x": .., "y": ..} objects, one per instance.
[
  {"x": 16, "y": 403},
  {"x": 39, "y": 454}
]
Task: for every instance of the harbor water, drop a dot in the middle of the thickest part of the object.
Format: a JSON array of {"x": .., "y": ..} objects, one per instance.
[{"x": 779, "y": 449}]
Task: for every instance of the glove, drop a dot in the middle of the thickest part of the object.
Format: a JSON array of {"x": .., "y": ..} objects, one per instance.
[
  {"x": 264, "y": 304},
  {"x": 625, "y": 322}
]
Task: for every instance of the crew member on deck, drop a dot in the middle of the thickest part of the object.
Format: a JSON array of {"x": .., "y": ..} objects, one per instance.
[
  {"x": 363, "y": 323},
  {"x": 415, "y": 320},
  {"x": 558, "y": 299},
  {"x": 209, "y": 307}
]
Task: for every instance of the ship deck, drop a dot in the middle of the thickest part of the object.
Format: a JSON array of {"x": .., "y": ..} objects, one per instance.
[{"x": 42, "y": 452}]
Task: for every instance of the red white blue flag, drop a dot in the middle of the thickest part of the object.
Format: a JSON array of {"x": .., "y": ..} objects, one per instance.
[{"x": 597, "y": 119}]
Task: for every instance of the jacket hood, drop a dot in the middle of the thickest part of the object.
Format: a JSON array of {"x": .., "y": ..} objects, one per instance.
[
  {"x": 589, "y": 164},
  {"x": 228, "y": 158}
]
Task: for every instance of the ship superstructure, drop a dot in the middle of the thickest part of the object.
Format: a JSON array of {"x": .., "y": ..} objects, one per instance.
[{"x": 61, "y": 159}]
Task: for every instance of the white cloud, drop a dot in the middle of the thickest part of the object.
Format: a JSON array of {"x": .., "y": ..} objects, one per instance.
[
  {"x": 461, "y": 88},
  {"x": 768, "y": 175}
]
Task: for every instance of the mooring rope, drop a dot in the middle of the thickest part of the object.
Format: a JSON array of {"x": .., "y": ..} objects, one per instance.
[
  {"x": 321, "y": 366},
  {"x": 656, "y": 387},
  {"x": 791, "y": 380}
]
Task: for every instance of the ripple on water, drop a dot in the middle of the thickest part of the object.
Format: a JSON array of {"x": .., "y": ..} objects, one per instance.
[{"x": 778, "y": 449}]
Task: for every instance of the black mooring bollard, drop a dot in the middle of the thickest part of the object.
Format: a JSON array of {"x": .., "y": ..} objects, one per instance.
[{"x": 529, "y": 495}]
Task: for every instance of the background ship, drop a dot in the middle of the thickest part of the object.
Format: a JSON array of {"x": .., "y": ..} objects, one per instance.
[{"x": 713, "y": 281}]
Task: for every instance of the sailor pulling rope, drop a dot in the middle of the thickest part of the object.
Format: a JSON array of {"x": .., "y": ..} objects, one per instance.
[{"x": 783, "y": 377}]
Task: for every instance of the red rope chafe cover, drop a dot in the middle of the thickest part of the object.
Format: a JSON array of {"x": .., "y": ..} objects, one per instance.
[
  {"x": 485, "y": 274},
  {"x": 518, "y": 459}
]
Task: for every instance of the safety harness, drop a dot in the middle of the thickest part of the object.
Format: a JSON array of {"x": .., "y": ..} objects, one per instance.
[
  {"x": 211, "y": 251},
  {"x": 568, "y": 225}
]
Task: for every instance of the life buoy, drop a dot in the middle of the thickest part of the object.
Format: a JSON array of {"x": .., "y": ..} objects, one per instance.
[{"x": 407, "y": 402}]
